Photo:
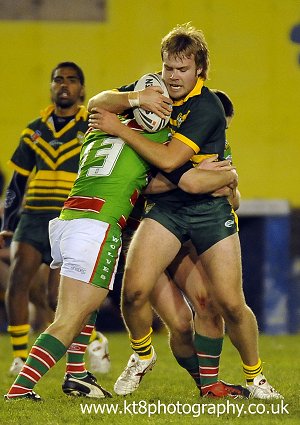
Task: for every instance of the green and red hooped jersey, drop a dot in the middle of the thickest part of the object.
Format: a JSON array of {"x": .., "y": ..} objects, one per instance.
[{"x": 111, "y": 176}]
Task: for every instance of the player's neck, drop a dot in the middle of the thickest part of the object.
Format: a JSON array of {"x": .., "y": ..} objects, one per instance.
[{"x": 66, "y": 112}]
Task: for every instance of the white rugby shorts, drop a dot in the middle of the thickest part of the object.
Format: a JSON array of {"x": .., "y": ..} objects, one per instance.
[{"x": 86, "y": 250}]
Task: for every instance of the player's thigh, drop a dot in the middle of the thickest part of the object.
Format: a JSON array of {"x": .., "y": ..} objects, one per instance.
[
  {"x": 77, "y": 299},
  {"x": 183, "y": 263},
  {"x": 222, "y": 263},
  {"x": 151, "y": 250},
  {"x": 189, "y": 275},
  {"x": 170, "y": 304}
]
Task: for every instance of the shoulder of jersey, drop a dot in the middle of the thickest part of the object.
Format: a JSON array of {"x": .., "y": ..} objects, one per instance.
[{"x": 146, "y": 119}]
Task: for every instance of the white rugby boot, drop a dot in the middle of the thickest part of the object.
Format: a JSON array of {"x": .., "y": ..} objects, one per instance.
[
  {"x": 131, "y": 377},
  {"x": 261, "y": 389}
]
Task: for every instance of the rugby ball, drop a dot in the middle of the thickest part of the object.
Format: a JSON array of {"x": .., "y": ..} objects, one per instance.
[{"x": 146, "y": 119}]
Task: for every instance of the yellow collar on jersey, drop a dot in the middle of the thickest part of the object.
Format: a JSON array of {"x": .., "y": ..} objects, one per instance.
[
  {"x": 81, "y": 114},
  {"x": 195, "y": 92}
]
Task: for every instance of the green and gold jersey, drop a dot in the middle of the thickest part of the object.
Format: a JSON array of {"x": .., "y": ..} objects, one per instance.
[
  {"x": 198, "y": 121},
  {"x": 111, "y": 177},
  {"x": 50, "y": 159}
]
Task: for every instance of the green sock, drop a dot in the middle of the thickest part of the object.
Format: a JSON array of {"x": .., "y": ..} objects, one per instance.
[
  {"x": 45, "y": 353},
  {"x": 75, "y": 364},
  {"x": 190, "y": 364},
  {"x": 208, "y": 353}
]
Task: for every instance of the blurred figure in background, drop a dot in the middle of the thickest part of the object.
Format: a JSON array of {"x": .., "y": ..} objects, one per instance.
[{"x": 4, "y": 263}]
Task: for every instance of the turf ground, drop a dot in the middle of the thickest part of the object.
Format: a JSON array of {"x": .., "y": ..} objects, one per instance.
[{"x": 167, "y": 387}]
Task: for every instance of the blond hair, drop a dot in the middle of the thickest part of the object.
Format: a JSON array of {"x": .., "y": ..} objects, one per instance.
[{"x": 185, "y": 40}]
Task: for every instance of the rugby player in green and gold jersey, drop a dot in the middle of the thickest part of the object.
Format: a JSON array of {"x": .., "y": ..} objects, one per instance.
[{"x": 198, "y": 126}]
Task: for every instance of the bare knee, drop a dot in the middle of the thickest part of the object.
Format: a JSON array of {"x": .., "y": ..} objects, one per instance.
[
  {"x": 133, "y": 294},
  {"x": 233, "y": 312},
  {"x": 180, "y": 324},
  {"x": 135, "y": 298}
]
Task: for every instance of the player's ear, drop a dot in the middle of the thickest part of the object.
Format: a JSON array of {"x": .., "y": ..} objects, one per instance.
[{"x": 199, "y": 70}]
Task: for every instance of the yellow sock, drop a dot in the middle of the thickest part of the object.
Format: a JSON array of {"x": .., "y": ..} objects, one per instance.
[
  {"x": 143, "y": 346},
  {"x": 19, "y": 336},
  {"x": 252, "y": 371}
]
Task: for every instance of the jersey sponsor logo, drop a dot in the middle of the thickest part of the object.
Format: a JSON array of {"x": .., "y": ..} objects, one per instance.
[{"x": 229, "y": 223}]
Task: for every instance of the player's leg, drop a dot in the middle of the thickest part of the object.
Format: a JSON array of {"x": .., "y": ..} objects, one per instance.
[
  {"x": 169, "y": 303},
  {"x": 25, "y": 261},
  {"x": 76, "y": 302},
  {"x": 152, "y": 248},
  {"x": 75, "y": 364},
  {"x": 90, "y": 340},
  {"x": 4, "y": 275},
  {"x": 105, "y": 239},
  {"x": 222, "y": 262},
  {"x": 41, "y": 315},
  {"x": 84, "y": 285},
  {"x": 30, "y": 247},
  {"x": 190, "y": 276}
]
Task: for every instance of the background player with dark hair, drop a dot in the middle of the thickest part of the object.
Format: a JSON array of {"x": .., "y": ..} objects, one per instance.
[{"x": 45, "y": 166}]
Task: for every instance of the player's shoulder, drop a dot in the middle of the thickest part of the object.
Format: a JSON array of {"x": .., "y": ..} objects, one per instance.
[
  {"x": 35, "y": 122},
  {"x": 209, "y": 101}
]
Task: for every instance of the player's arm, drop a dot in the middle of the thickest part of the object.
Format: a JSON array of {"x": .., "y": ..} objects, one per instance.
[
  {"x": 234, "y": 196},
  {"x": 209, "y": 176},
  {"x": 235, "y": 199},
  {"x": 13, "y": 201},
  {"x": 110, "y": 100},
  {"x": 196, "y": 182},
  {"x": 116, "y": 101},
  {"x": 165, "y": 157},
  {"x": 159, "y": 184}
]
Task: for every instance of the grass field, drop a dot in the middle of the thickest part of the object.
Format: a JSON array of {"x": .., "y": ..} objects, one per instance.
[{"x": 167, "y": 387}]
